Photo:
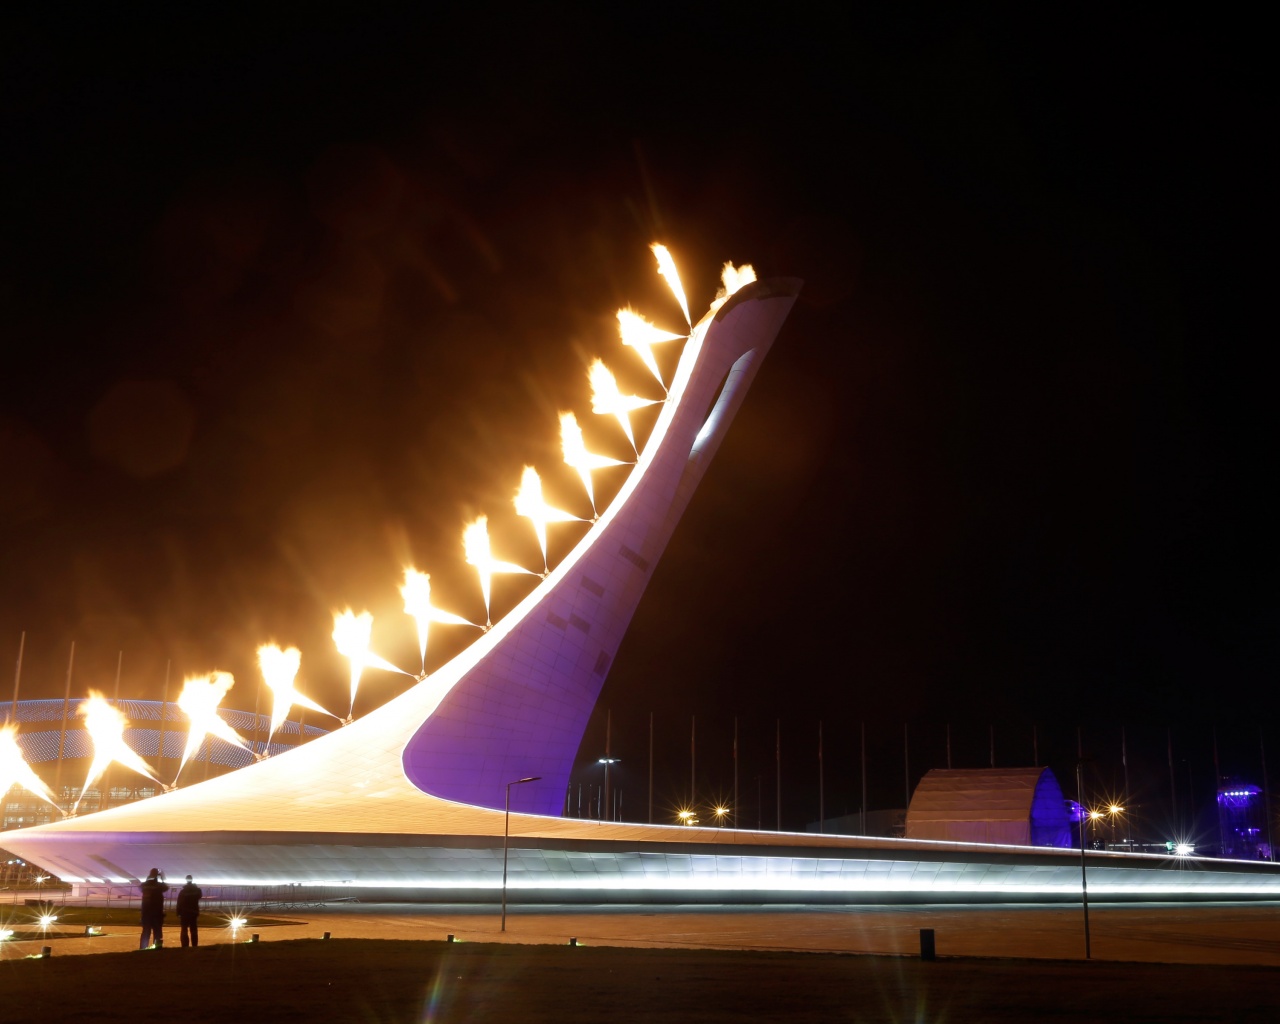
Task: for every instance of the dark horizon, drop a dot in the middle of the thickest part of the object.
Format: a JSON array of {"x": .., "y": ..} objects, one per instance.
[{"x": 290, "y": 303}]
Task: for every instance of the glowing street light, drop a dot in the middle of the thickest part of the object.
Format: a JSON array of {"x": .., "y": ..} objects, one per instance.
[
  {"x": 721, "y": 812},
  {"x": 506, "y": 833},
  {"x": 530, "y": 504},
  {"x": 687, "y": 817}
]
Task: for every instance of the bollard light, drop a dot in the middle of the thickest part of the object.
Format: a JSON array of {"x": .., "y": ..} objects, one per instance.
[
  {"x": 573, "y": 941},
  {"x": 46, "y": 952},
  {"x": 92, "y": 929},
  {"x": 253, "y": 937},
  {"x": 326, "y": 935},
  {"x": 449, "y": 938}
]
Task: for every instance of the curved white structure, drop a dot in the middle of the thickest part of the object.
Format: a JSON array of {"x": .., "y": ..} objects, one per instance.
[{"x": 408, "y": 799}]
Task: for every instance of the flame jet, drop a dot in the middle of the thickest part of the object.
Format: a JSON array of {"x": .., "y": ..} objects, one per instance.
[
  {"x": 530, "y": 504},
  {"x": 352, "y": 634},
  {"x": 577, "y": 456},
  {"x": 416, "y": 592},
  {"x": 607, "y": 400},
  {"x": 105, "y": 726},
  {"x": 199, "y": 701},
  {"x": 731, "y": 280},
  {"x": 639, "y": 334},
  {"x": 14, "y": 769},
  {"x": 279, "y": 671},
  {"x": 475, "y": 543},
  {"x": 667, "y": 268}
]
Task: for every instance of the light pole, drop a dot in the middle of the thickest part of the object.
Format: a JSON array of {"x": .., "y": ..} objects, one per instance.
[
  {"x": 606, "y": 812},
  {"x": 506, "y": 833},
  {"x": 1084, "y": 879}
]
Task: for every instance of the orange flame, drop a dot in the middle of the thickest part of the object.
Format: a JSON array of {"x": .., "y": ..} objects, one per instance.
[
  {"x": 14, "y": 770},
  {"x": 280, "y": 672},
  {"x": 352, "y": 635},
  {"x": 199, "y": 701},
  {"x": 530, "y": 504},
  {"x": 416, "y": 592},
  {"x": 606, "y": 399},
  {"x": 475, "y": 544},
  {"x": 732, "y": 279},
  {"x": 577, "y": 456},
  {"x": 667, "y": 268},
  {"x": 641, "y": 335},
  {"x": 105, "y": 726}
]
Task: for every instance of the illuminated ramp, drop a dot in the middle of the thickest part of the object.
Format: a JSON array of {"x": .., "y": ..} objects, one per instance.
[{"x": 523, "y": 709}]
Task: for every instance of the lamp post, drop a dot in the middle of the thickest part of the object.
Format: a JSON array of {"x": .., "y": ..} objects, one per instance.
[
  {"x": 506, "y": 833},
  {"x": 1084, "y": 880},
  {"x": 606, "y": 812}
]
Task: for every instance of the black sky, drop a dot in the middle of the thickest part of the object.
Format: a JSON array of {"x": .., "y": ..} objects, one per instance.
[{"x": 288, "y": 299}]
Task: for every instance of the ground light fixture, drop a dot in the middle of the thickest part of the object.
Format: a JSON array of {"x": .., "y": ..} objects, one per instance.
[{"x": 506, "y": 835}]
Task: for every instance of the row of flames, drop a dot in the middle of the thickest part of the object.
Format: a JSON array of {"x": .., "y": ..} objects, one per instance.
[{"x": 203, "y": 695}]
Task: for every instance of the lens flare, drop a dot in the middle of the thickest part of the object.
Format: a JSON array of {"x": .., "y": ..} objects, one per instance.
[
  {"x": 14, "y": 769},
  {"x": 199, "y": 701},
  {"x": 105, "y": 726},
  {"x": 732, "y": 279},
  {"x": 530, "y": 504},
  {"x": 639, "y": 334},
  {"x": 280, "y": 671},
  {"x": 607, "y": 400},
  {"x": 667, "y": 268},
  {"x": 577, "y": 456},
  {"x": 475, "y": 543},
  {"x": 416, "y": 592},
  {"x": 352, "y": 634}
]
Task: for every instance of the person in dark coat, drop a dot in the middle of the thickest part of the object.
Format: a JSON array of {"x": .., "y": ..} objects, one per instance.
[
  {"x": 188, "y": 907},
  {"x": 153, "y": 890}
]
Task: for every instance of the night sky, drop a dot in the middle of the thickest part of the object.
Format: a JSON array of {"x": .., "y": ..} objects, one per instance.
[{"x": 288, "y": 301}]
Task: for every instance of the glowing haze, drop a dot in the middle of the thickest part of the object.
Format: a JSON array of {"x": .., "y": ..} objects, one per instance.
[
  {"x": 105, "y": 726},
  {"x": 202, "y": 695}
]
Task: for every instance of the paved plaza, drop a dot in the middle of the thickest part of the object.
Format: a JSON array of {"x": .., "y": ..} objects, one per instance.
[{"x": 1191, "y": 934}]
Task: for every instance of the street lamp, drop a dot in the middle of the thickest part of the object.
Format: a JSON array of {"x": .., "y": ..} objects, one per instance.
[
  {"x": 506, "y": 833},
  {"x": 606, "y": 811},
  {"x": 720, "y": 811},
  {"x": 1114, "y": 811},
  {"x": 1084, "y": 879}
]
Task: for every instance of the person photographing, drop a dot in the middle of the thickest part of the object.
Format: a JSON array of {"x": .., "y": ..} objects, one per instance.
[{"x": 153, "y": 890}]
